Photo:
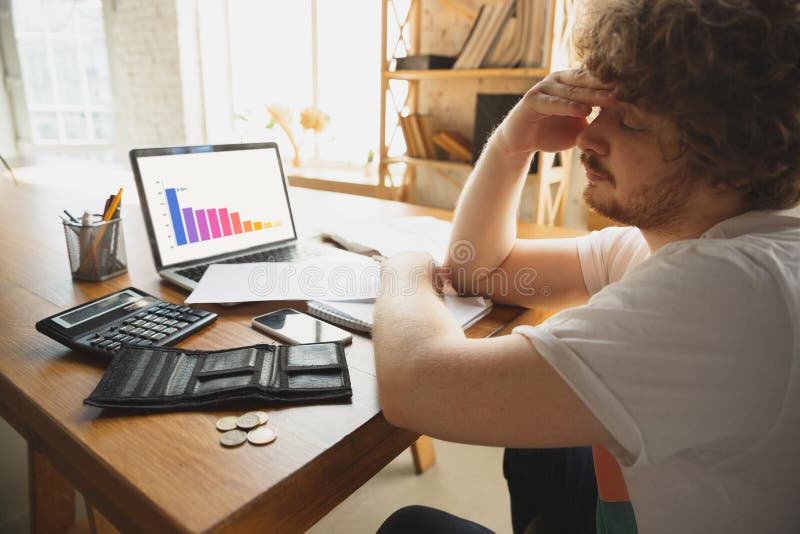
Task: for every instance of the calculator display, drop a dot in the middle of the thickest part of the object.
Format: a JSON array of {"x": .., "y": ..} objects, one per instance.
[{"x": 94, "y": 309}]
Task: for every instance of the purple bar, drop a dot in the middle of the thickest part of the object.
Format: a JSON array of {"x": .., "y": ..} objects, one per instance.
[
  {"x": 212, "y": 221},
  {"x": 202, "y": 224},
  {"x": 225, "y": 221},
  {"x": 191, "y": 229}
]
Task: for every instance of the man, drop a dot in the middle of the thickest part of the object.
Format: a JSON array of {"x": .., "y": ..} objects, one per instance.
[{"x": 681, "y": 355}]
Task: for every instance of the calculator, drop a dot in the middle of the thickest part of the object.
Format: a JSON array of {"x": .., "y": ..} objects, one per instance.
[{"x": 129, "y": 316}]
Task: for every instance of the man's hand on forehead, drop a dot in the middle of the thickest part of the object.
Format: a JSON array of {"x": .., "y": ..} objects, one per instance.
[
  {"x": 575, "y": 91},
  {"x": 553, "y": 112}
]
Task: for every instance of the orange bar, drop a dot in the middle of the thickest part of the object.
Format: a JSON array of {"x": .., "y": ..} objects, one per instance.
[
  {"x": 237, "y": 222},
  {"x": 248, "y": 226},
  {"x": 257, "y": 225}
]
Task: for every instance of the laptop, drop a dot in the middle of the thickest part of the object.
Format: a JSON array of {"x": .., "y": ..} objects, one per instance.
[{"x": 217, "y": 204}]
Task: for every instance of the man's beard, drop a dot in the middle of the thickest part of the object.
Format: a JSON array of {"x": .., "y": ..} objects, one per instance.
[{"x": 652, "y": 207}]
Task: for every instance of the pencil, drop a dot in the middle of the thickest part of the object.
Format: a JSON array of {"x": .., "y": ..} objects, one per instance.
[{"x": 100, "y": 233}]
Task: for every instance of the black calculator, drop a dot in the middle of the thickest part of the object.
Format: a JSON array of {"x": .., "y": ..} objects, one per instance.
[{"x": 129, "y": 316}]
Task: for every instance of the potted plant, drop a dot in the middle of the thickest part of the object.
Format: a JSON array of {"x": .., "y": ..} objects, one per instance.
[{"x": 8, "y": 168}]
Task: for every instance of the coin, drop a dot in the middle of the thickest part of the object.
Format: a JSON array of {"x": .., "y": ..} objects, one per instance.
[
  {"x": 226, "y": 423},
  {"x": 248, "y": 420},
  {"x": 262, "y": 417},
  {"x": 233, "y": 438},
  {"x": 261, "y": 435}
]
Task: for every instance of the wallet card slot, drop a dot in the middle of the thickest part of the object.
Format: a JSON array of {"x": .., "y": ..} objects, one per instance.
[
  {"x": 312, "y": 368},
  {"x": 315, "y": 355},
  {"x": 150, "y": 374},
  {"x": 181, "y": 373},
  {"x": 231, "y": 361},
  {"x": 211, "y": 384},
  {"x": 315, "y": 380},
  {"x": 268, "y": 373},
  {"x": 136, "y": 373}
]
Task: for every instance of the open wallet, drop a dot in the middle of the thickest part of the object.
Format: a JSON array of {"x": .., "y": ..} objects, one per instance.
[{"x": 156, "y": 378}]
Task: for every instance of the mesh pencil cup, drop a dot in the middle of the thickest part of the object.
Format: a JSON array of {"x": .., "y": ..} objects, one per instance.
[{"x": 96, "y": 251}]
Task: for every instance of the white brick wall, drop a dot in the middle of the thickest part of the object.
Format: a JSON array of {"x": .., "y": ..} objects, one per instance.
[{"x": 146, "y": 74}]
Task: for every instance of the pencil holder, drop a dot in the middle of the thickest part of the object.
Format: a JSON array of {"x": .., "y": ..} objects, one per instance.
[{"x": 96, "y": 251}]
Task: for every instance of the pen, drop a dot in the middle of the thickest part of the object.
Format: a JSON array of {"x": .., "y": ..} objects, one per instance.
[
  {"x": 71, "y": 218},
  {"x": 113, "y": 207}
]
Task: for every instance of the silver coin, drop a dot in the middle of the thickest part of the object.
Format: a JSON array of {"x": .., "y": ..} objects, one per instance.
[
  {"x": 261, "y": 435},
  {"x": 233, "y": 438},
  {"x": 263, "y": 417},
  {"x": 248, "y": 421},
  {"x": 226, "y": 423}
]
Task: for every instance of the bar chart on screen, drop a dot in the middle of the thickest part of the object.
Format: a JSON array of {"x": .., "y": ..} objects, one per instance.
[{"x": 191, "y": 224}]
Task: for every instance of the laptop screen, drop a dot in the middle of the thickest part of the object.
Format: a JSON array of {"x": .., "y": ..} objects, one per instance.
[{"x": 202, "y": 202}]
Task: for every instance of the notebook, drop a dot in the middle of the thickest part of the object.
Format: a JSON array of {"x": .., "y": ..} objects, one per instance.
[{"x": 359, "y": 315}]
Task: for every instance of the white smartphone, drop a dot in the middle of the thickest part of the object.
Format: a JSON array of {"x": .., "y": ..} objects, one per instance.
[{"x": 294, "y": 327}]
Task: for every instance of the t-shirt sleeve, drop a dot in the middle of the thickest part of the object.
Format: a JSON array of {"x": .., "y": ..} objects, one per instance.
[
  {"x": 691, "y": 350},
  {"x": 606, "y": 255}
]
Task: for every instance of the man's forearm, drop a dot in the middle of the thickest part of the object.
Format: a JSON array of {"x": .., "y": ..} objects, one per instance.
[{"x": 485, "y": 222}]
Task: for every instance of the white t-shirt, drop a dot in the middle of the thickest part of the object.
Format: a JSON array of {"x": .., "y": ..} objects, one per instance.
[{"x": 690, "y": 357}]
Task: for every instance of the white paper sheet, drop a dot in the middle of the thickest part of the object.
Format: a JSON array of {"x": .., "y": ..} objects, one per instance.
[
  {"x": 328, "y": 279},
  {"x": 392, "y": 236}
]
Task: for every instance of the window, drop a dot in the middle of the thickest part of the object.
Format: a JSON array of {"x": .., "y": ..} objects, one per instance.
[
  {"x": 62, "y": 54},
  {"x": 307, "y": 53}
]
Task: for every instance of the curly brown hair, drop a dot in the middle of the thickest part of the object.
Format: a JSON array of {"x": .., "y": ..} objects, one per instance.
[{"x": 726, "y": 72}]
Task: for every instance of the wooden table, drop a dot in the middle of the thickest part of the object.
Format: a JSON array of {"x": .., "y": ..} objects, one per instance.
[{"x": 167, "y": 472}]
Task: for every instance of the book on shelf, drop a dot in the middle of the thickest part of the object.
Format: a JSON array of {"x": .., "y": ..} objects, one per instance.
[
  {"x": 455, "y": 145},
  {"x": 416, "y": 132},
  {"x": 483, "y": 34},
  {"x": 423, "y": 123},
  {"x": 424, "y": 62},
  {"x": 412, "y": 148},
  {"x": 536, "y": 33}
]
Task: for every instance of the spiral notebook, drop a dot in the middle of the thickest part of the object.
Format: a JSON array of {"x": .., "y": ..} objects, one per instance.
[{"x": 358, "y": 315}]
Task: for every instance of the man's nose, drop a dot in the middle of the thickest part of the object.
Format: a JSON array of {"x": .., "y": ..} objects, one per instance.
[{"x": 593, "y": 138}]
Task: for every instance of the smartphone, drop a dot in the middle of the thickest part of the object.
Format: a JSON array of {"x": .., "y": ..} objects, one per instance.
[{"x": 294, "y": 327}]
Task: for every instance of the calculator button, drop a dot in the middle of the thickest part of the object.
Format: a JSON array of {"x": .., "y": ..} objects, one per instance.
[
  {"x": 200, "y": 313},
  {"x": 118, "y": 337},
  {"x": 149, "y": 317},
  {"x": 159, "y": 336},
  {"x": 158, "y": 320},
  {"x": 137, "y": 331},
  {"x": 114, "y": 346},
  {"x": 141, "y": 314},
  {"x": 105, "y": 343},
  {"x": 127, "y": 328},
  {"x": 170, "y": 322},
  {"x": 181, "y": 324},
  {"x": 148, "y": 324},
  {"x": 188, "y": 318},
  {"x": 127, "y": 339},
  {"x": 139, "y": 322},
  {"x": 184, "y": 309},
  {"x": 170, "y": 330},
  {"x": 173, "y": 314},
  {"x": 95, "y": 341},
  {"x": 159, "y": 328},
  {"x": 144, "y": 342}
]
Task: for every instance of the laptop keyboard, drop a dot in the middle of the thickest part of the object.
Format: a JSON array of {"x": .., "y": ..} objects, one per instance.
[{"x": 291, "y": 253}]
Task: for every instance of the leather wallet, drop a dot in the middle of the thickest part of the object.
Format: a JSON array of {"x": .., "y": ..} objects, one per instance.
[{"x": 155, "y": 378}]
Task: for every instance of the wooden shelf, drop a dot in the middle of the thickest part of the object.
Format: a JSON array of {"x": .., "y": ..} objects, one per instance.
[
  {"x": 438, "y": 74},
  {"x": 442, "y": 164}
]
